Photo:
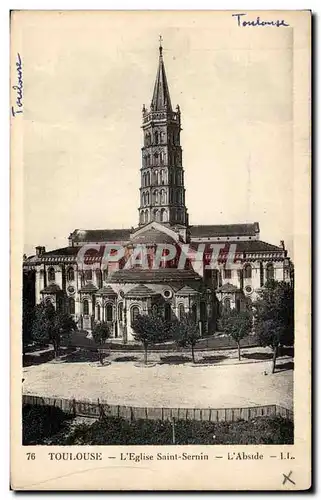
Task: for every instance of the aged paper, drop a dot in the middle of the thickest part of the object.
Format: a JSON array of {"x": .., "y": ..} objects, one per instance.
[{"x": 160, "y": 219}]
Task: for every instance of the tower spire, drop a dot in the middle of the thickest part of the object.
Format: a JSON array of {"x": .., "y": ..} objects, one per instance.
[{"x": 161, "y": 99}]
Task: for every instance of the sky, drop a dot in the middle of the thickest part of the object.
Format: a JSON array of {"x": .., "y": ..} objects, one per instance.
[{"x": 86, "y": 78}]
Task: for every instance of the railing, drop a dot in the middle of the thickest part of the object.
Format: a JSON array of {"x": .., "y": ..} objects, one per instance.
[{"x": 96, "y": 409}]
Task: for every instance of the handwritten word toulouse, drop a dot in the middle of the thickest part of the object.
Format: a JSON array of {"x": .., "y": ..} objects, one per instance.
[
  {"x": 257, "y": 22},
  {"x": 18, "y": 88}
]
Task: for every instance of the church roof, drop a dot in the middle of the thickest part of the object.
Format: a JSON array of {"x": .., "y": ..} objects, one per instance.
[
  {"x": 153, "y": 275},
  {"x": 52, "y": 288},
  {"x": 153, "y": 236},
  {"x": 95, "y": 235},
  {"x": 228, "y": 288},
  {"x": 201, "y": 231},
  {"x": 88, "y": 287},
  {"x": 106, "y": 290},
  {"x": 140, "y": 291},
  {"x": 186, "y": 290},
  {"x": 161, "y": 99}
]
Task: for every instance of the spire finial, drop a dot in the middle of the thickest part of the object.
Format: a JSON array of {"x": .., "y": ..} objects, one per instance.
[{"x": 160, "y": 45}]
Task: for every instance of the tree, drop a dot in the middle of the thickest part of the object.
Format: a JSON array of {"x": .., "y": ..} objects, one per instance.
[
  {"x": 28, "y": 313},
  {"x": 186, "y": 333},
  {"x": 148, "y": 330},
  {"x": 236, "y": 324},
  {"x": 274, "y": 316},
  {"x": 101, "y": 332},
  {"x": 51, "y": 326}
]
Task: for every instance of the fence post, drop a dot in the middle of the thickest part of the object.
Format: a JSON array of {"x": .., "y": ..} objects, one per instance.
[{"x": 173, "y": 429}]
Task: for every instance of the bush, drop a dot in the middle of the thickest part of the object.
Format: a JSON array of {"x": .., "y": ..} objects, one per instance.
[
  {"x": 116, "y": 431},
  {"x": 42, "y": 422}
]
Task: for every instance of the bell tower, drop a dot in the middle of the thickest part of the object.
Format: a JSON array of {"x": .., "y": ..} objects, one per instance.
[{"x": 162, "y": 192}]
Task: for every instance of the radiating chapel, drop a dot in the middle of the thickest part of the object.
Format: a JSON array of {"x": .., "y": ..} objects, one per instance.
[{"x": 116, "y": 293}]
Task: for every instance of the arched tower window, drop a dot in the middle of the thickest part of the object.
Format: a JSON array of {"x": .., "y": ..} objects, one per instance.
[
  {"x": 142, "y": 216},
  {"x": 147, "y": 179},
  {"x": 156, "y": 162},
  {"x": 156, "y": 196},
  {"x": 163, "y": 215},
  {"x": 156, "y": 137},
  {"x": 147, "y": 198},
  {"x": 162, "y": 177},
  {"x": 98, "y": 312},
  {"x": 247, "y": 271}
]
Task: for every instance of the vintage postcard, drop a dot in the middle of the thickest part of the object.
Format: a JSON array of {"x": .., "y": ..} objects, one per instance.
[{"x": 160, "y": 249}]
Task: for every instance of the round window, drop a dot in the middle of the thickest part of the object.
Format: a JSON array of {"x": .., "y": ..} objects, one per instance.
[
  {"x": 248, "y": 289},
  {"x": 71, "y": 289},
  {"x": 167, "y": 294}
]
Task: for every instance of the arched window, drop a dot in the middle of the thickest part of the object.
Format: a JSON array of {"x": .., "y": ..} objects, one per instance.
[
  {"x": 147, "y": 198},
  {"x": 146, "y": 216},
  {"x": 156, "y": 214},
  {"x": 181, "y": 311},
  {"x": 70, "y": 274},
  {"x": 161, "y": 157},
  {"x": 98, "y": 312},
  {"x": 71, "y": 305},
  {"x": 163, "y": 215},
  {"x": 88, "y": 275},
  {"x": 162, "y": 177},
  {"x": 203, "y": 312},
  {"x": 270, "y": 272},
  {"x": 51, "y": 274},
  {"x": 156, "y": 159},
  {"x": 109, "y": 312},
  {"x": 168, "y": 312},
  {"x": 147, "y": 179},
  {"x": 194, "y": 313},
  {"x": 156, "y": 177},
  {"x": 162, "y": 196},
  {"x": 148, "y": 160},
  {"x": 154, "y": 310},
  {"x": 105, "y": 274},
  {"x": 142, "y": 216},
  {"x": 155, "y": 196},
  {"x": 85, "y": 307},
  {"x": 247, "y": 271},
  {"x": 162, "y": 137},
  {"x": 227, "y": 304},
  {"x": 98, "y": 278},
  {"x": 156, "y": 137},
  {"x": 143, "y": 199},
  {"x": 120, "y": 312},
  {"x": 134, "y": 312}
]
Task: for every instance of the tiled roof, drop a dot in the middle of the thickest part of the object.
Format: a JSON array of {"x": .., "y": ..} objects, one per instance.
[
  {"x": 89, "y": 287},
  {"x": 152, "y": 276},
  {"x": 153, "y": 236},
  {"x": 61, "y": 251},
  {"x": 228, "y": 287},
  {"x": 106, "y": 290},
  {"x": 52, "y": 288},
  {"x": 225, "y": 230},
  {"x": 140, "y": 291},
  {"x": 187, "y": 290},
  {"x": 256, "y": 246},
  {"x": 96, "y": 235}
]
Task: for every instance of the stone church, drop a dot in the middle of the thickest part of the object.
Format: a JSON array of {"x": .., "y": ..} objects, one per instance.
[{"x": 115, "y": 292}]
